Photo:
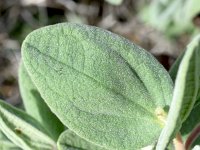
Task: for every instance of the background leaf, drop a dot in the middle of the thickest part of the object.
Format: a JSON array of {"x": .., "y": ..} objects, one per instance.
[
  {"x": 185, "y": 93},
  {"x": 36, "y": 107},
  {"x": 23, "y": 130},
  {"x": 69, "y": 140},
  {"x": 103, "y": 87},
  {"x": 174, "y": 17}
]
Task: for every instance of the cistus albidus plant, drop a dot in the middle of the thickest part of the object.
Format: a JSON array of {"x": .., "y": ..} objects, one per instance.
[{"x": 85, "y": 88}]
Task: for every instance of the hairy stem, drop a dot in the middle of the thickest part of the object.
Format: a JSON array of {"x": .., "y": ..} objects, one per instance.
[
  {"x": 178, "y": 142},
  {"x": 192, "y": 137}
]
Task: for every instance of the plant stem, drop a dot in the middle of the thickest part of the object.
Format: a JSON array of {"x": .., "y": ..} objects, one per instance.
[
  {"x": 178, "y": 142},
  {"x": 192, "y": 137}
]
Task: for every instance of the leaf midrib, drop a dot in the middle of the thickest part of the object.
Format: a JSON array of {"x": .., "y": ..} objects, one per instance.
[{"x": 83, "y": 73}]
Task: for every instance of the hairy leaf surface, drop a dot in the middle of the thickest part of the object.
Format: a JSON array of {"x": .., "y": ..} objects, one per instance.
[
  {"x": 23, "y": 130},
  {"x": 6, "y": 144},
  {"x": 36, "y": 106},
  {"x": 193, "y": 119},
  {"x": 103, "y": 87},
  {"x": 185, "y": 92},
  {"x": 69, "y": 140}
]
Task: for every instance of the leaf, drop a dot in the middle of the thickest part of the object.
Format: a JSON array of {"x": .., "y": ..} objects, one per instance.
[
  {"x": 23, "y": 130},
  {"x": 2, "y": 136},
  {"x": 190, "y": 125},
  {"x": 69, "y": 140},
  {"x": 6, "y": 144},
  {"x": 115, "y": 2},
  {"x": 174, "y": 68},
  {"x": 103, "y": 87},
  {"x": 193, "y": 119},
  {"x": 36, "y": 107},
  {"x": 185, "y": 93}
]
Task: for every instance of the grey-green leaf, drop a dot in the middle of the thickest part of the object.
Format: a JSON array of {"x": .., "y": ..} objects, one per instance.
[
  {"x": 174, "y": 68},
  {"x": 68, "y": 140},
  {"x": 185, "y": 92},
  {"x": 23, "y": 130},
  {"x": 191, "y": 125},
  {"x": 36, "y": 106},
  {"x": 102, "y": 86},
  {"x": 6, "y": 144}
]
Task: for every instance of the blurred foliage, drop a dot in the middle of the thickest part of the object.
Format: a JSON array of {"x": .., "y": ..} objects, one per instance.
[
  {"x": 115, "y": 2},
  {"x": 20, "y": 17},
  {"x": 173, "y": 17}
]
